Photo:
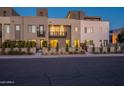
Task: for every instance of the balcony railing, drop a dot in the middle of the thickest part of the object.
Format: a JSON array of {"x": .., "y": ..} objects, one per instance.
[
  {"x": 41, "y": 34},
  {"x": 58, "y": 35}
]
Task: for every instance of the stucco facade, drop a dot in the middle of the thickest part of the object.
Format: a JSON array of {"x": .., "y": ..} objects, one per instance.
[
  {"x": 98, "y": 32},
  {"x": 41, "y": 28}
]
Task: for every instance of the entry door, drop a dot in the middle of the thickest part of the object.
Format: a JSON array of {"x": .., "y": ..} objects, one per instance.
[
  {"x": 76, "y": 43},
  {"x": 53, "y": 43}
]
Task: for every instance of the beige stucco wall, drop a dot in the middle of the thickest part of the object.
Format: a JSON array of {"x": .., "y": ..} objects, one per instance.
[
  {"x": 100, "y": 31},
  {"x": 5, "y": 20},
  {"x": 29, "y": 20},
  {"x": 35, "y": 21}
]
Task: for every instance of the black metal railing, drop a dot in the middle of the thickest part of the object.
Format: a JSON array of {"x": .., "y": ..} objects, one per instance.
[
  {"x": 58, "y": 35},
  {"x": 39, "y": 34}
]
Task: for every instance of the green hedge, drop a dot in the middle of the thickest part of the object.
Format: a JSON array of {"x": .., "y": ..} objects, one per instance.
[{"x": 18, "y": 44}]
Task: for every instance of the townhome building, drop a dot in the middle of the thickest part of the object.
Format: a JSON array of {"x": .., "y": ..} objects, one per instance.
[{"x": 73, "y": 30}]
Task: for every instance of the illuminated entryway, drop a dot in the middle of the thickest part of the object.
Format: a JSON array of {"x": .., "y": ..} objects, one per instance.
[
  {"x": 67, "y": 42},
  {"x": 53, "y": 43},
  {"x": 76, "y": 43},
  {"x": 43, "y": 43}
]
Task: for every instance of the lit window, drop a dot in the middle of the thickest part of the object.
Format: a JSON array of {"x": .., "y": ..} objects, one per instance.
[
  {"x": 57, "y": 30},
  {"x": 52, "y": 28},
  {"x": 17, "y": 27},
  {"x": 76, "y": 29},
  {"x": 61, "y": 28},
  {"x": 7, "y": 28}
]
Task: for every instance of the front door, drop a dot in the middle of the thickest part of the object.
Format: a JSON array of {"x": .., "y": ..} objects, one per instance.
[
  {"x": 41, "y": 43},
  {"x": 76, "y": 43},
  {"x": 53, "y": 43}
]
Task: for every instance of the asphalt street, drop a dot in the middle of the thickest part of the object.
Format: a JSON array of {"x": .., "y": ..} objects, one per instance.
[{"x": 68, "y": 71}]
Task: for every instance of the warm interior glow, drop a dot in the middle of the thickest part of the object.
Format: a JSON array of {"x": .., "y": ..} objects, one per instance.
[
  {"x": 114, "y": 38},
  {"x": 68, "y": 42},
  {"x": 61, "y": 28},
  {"x": 76, "y": 43},
  {"x": 58, "y": 30},
  {"x": 53, "y": 43}
]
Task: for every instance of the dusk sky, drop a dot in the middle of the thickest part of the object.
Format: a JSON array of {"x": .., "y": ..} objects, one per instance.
[{"x": 113, "y": 14}]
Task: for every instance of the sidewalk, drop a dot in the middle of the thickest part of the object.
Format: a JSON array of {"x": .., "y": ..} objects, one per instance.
[{"x": 57, "y": 56}]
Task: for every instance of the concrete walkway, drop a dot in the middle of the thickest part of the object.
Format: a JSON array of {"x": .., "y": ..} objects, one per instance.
[{"x": 57, "y": 56}]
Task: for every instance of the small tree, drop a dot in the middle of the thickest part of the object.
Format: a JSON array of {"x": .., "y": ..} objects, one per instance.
[
  {"x": 57, "y": 46},
  {"x": 11, "y": 45},
  {"x": 44, "y": 43},
  {"x": 3, "y": 47},
  {"x": 49, "y": 47},
  {"x": 19, "y": 46},
  {"x": 67, "y": 47},
  {"x": 28, "y": 45},
  {"x": 93, "y": 49},
  {"x": 76, "y": 46}
]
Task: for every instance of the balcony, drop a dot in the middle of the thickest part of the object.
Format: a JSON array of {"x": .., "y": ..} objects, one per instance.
[
  {"x": 58, "y": 35},
  {"x": 40, "y": 34}
]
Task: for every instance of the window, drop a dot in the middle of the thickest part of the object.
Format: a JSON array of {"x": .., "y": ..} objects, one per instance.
[
  {"x": 88, "y": 29},
  {"x": 17, "y": 27},
  {"x": 4, "y": 13},
  {"x": 76, "y": 29},
  {"x": 105, "y": 42},
  {"x": 41, "y": 29},
  {"x": 85, "y": 30},
  {"x": 58, "y": 30},
  {"x": 7, "y": 28},
  {"x": 88, "y": 42},
  {"x": 32, "y": 28}
]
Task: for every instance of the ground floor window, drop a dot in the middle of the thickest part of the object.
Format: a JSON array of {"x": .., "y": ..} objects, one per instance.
[
  {"x": 53, "y": 43},
  {"x": 88, "y": 42}
]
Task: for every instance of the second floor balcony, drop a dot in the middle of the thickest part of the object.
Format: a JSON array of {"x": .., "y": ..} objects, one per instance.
[
  {"x": 40, "y": 34},
  {"x": 58, "y": 34}
]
